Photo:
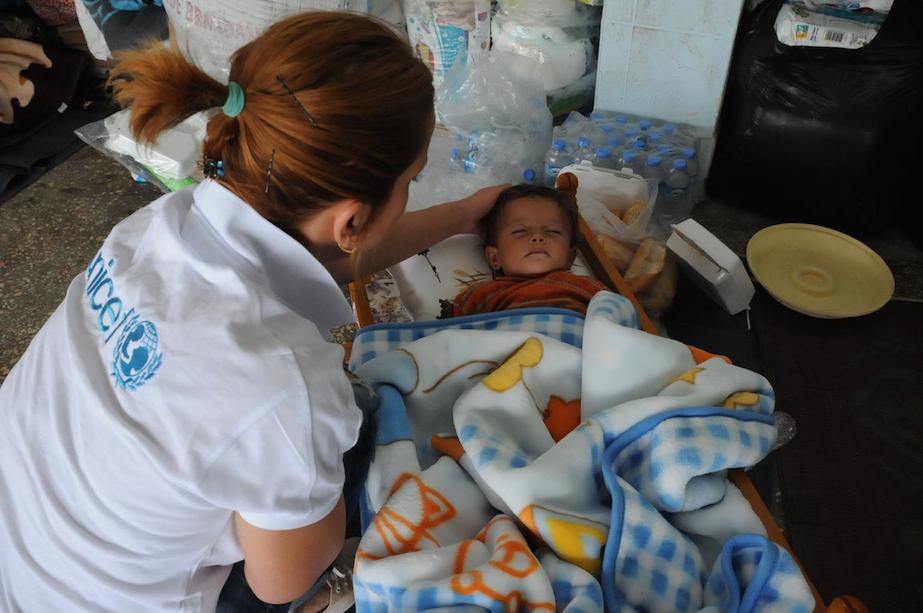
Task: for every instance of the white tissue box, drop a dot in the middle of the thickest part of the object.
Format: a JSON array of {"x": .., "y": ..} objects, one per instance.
[{"x": 714, "y": 267}]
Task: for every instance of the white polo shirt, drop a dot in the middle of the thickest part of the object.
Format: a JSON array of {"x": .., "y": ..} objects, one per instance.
[{"x": 185, "y": 376}]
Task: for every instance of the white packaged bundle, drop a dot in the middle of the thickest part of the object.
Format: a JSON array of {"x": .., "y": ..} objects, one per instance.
[
  {"x": 562, "y": 60},
  {"x": 210, "y": 31},
  {"x": 801, "y": 24}
]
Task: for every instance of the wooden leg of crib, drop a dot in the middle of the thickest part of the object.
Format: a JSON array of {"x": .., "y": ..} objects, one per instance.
[
  {"x": 360, "y": 301},
  {"x": 606, "y": 271}
]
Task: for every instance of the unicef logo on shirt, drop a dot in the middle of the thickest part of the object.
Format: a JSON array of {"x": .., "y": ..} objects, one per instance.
[{"x": 135, "y": 359}]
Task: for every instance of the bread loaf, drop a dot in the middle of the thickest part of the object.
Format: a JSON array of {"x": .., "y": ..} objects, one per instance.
[
  {"x": 646, "y": 265},
  {"x": 619, "y": 253}
]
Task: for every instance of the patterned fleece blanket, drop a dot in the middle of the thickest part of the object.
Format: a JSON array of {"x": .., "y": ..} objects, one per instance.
[{"x": 516, "y": 471}]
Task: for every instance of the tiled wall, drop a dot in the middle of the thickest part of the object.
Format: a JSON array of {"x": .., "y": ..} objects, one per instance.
[{"x": 666, "y": 58}]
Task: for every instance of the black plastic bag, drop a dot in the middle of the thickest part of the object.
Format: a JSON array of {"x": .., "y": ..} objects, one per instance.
[{"x": 830, "y": 136}]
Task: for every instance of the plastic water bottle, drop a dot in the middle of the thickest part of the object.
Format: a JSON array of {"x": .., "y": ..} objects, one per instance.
[
  {"x": 631, "y": 159},
  {"x": 678, "y": 179},
  {"x": 608, "y": 131},
  {"x": 692, "y": 164},
  {"x": 457, "y": 159},
  {"x": 471, "y": 160},
  {"x": 557, "y": 158},
  {"x": 604, "y": 158},
  {"x": 668, "y": 128},
  {"x": 653, "y": 169},
  {"x": 645, "y": 125},
  {"x": 653, "y": 139},
  {"x": 621, "y": 119},
  {"x": 616, "y": 144},
  {"x": 600, "y": 116},
  {"x": 584, "y": 150}
]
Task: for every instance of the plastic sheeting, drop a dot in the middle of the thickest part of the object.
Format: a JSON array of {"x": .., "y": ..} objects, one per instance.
[{"x": 824, "y": 135}]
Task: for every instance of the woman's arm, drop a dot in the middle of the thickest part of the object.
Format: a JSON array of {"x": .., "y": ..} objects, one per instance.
[
  {"x": 280, "y": 565},
  {"x": 420, "y": 230}
]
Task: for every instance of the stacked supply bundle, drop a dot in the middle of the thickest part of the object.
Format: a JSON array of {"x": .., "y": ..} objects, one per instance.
[
  {"x": 210, "y": 31},
  {"x": 845, "y": 24},
  {"x": 562, "y": 36},
  {"x": 442, "y": 31},
  {"x": 496, "y": 107},
  {"x": 660, "y": 151}
]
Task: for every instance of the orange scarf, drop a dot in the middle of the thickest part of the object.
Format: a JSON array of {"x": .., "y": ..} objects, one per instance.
[{"x": 560, "y": 288}]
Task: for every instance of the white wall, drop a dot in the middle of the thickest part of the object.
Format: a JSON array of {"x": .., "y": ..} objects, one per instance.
[{"x": 667, "y": 59}]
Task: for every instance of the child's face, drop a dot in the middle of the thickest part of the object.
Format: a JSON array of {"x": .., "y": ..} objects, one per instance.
[{"x": 533, "y": 238}]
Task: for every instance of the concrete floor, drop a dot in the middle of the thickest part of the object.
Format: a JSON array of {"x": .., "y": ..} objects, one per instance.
[
  {"x": 51, "y": 229},
  {"x": 48, "y": 233}
]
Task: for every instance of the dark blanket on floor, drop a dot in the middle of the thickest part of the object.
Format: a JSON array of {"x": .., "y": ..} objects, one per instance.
[
  {"x": 852, "y": 479},
  {"x": 849, "y": 488}
]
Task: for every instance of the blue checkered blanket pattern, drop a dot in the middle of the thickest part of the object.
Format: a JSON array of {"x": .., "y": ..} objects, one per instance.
[
  {"x": 560, "y": 324},
  {"x": 644, "y": 464}
]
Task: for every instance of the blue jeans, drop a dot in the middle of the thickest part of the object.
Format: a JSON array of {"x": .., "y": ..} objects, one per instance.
[{"x": 236, "y": 596}]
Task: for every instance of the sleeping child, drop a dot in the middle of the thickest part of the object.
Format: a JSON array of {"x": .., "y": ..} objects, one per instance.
[{"x": 530, "y": 239}]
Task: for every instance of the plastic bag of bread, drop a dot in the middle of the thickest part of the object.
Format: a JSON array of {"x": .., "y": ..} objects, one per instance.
[
  {"x": 647, "y": 267},
  {"x": 651, "y": 274},
  {"x": 645, "y": 264},
  {"x": 616, "y": 204}
]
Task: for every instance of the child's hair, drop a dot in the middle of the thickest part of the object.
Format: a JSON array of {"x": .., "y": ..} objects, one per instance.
[
  {"x": 490, "y": 222},
  {"x": 336, "y": 106}
]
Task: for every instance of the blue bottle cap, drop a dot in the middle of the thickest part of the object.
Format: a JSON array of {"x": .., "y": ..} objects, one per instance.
[
  {"x": 604, "y": 152},
  {"x": 640, "y": 144},
  {"x": 645, "y": 124},
  {"x": 607, "y": 128},
  {"x": 621, "y": 118},
  {"x": 614, "y": 141},
  {"x": 631, "y": 132},
  {"x": 664, "y": 149},
  {"x": 559, "y": 144},
  {"x": 653, "y": 160},
  {"x": 597, "y": 115},
  {"x": 679, "y": 164},
  {"x": 669, "y": 128},
  {"x": 528, "y": 175},
  {"x": 583, "y": 141},
  {"x": 688, "y": 152},
  {"x": 630, "y": 156},
  {"x": 454, "y": 153},
  {"x": 654, "y": 136}
]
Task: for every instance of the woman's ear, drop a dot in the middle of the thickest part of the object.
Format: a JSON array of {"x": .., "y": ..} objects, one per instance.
[
  {"x": 493, "y": 258},
  {"x": 349, "y": 220}
]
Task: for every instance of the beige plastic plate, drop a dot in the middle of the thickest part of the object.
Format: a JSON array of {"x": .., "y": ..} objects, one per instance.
[{"x": 818, "y": 271}]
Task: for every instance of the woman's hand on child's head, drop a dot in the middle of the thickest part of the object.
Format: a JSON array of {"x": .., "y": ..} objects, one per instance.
[{"x": 475, "y": 206}]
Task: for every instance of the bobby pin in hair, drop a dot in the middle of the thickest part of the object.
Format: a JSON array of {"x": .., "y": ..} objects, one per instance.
[
  {"x": 297, "y": 101},
  {"x": 269, "y": 172}
]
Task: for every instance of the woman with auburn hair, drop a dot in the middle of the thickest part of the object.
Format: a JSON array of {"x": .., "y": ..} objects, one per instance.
[{"x": 183, "y": 409}]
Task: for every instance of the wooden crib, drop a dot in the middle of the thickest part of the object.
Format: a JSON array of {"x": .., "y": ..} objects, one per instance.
[{"x": 604, "y": 270}]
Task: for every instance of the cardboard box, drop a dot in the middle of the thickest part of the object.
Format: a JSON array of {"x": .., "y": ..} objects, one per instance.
[{"x": 713, "y": 267}]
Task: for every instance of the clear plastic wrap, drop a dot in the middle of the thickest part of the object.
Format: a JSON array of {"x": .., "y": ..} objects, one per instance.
[
  {"x": 811, "y": 24},
  {"x": 496, "y": 107},
  {"x": 171, "y": 163},
  {"x": 561, "y": 35},
  {"x": 210, "y": 31},
  {"x": 444, "y": 31}
]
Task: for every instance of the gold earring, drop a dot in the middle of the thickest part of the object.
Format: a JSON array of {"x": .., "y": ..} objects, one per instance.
[{"x": 345, "y": 250}]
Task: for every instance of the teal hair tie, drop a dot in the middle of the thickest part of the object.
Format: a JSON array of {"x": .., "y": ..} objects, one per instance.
[{"x": 236, "y": 100}]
